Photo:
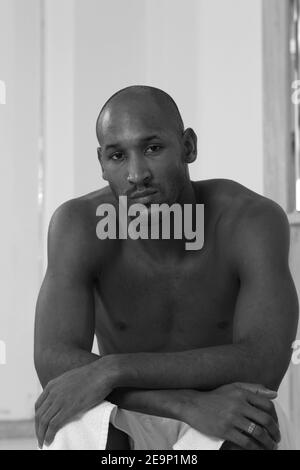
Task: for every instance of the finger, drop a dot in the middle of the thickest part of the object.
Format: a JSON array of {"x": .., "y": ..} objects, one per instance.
[
  {"x": 265, "y": 420},
  {"x": 258, "y": 433},
  {"x": 59, "y": 420},
  {"x": 44, "y": 424},
  {"x": 258, "y": 390},
  {"x": 264, "y": 392},
  {"x": 245, "y": 442},
  {"x": 39, "y": 416},
  {"x": 263, "y": 437},
  {"x": 41, "y": 399},
  {"x": 54, "y": 426},
  {"x": 262, "y": 403}
]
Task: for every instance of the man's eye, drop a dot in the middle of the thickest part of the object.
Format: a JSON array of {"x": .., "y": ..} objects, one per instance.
[
  {"x": 116, "y": 156},
  {"x": 154, "y": 148}
]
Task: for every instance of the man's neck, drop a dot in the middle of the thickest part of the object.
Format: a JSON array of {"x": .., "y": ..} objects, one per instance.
[{"x": 170, "y": 249}]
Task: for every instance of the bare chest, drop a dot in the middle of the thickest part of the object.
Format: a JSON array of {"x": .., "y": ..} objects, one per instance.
[{"x": 142, "y": 306}]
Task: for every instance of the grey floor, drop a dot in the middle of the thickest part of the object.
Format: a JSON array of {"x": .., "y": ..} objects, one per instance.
[{"x": 18, "y": 444}]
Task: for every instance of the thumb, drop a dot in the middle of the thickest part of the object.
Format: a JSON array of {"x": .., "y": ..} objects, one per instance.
[{"x": 258, "y": 390}]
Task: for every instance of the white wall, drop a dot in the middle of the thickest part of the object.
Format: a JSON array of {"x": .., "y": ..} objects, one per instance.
[
  {"x": 59, "y": 103},
  {"x": 207, "y": 55},
  {"x": 230, "y": 98},
  {"x": 19, "y": 236}
]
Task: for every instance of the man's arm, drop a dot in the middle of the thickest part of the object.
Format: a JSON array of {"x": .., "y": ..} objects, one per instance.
[
  {"x": 64, "y": 323},
  {"x": 265, "y": 321}
]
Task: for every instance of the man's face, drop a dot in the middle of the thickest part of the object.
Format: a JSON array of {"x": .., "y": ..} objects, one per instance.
[{"x": 142, "y": 151}]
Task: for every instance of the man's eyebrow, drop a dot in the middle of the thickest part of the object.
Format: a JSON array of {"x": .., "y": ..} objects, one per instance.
[{"x": 142, "y": 139}]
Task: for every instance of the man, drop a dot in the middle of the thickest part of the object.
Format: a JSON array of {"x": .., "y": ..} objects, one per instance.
[{"x": 180, "y": 333}]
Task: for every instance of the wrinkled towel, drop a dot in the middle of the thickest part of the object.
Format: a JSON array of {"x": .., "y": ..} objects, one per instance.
[{"x": 90, "y": 431}]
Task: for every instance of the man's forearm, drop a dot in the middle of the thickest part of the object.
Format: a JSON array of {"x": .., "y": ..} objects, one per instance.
[
  {"x": 199, "y": 369},
  {"x": 56, "y": 361},
  {"x": 149, "y": 382},
  {"x": 166, "y": 403}
]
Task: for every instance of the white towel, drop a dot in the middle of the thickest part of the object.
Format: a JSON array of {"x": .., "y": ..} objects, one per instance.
[
  {"x": 190, "y": 439},
  {"x": 86, "y": 433},
  {"x": 286, "y": 429},
  {"x": 90, "y": 431}
]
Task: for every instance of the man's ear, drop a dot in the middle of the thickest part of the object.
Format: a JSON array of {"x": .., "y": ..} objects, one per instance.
[
  {"x": 99, "y": 151},
  {"x": 190, "y": 145}
]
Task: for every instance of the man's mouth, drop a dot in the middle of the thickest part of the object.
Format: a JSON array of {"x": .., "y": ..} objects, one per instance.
[{"x": 143, "y": 197}]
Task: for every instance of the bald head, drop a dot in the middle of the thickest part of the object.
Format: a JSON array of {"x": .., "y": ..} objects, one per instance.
[{"x": 150, "y": 104}]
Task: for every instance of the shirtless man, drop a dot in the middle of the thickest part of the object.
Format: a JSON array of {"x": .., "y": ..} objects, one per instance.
[{"x": 181, "y": 333}]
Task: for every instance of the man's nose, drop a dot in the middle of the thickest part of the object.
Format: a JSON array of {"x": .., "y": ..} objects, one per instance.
[{"x": 138, "y": 171}]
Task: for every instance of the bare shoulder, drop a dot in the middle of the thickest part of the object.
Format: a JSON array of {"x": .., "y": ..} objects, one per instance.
[
  {"x": 72, "y": 228},
  {"x": 247, "y": 212},
  {"x": 240, "y": 206},
  {"x": 79, "y": 213},
  {"x": 246, "y": 217}
]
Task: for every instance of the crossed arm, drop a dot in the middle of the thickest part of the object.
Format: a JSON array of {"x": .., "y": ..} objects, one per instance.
[{"x": 265, "y": 323}]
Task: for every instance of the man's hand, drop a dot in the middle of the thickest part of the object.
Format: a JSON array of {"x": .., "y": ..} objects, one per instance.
[
  {"x": 231, "y": 411},
  {"x": 69, "y": 395}
]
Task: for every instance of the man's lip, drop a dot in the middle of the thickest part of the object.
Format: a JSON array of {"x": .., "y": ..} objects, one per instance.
[{"x": 143, "y": 194}]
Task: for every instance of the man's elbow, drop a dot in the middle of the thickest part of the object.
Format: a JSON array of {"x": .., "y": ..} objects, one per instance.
[
  {"x": 260, "y": 375},
  {"x": 261, "y": 367},
  {"x": 272, "y": 381},
  {"x": 270, "y": 373},
  {"x": 40, "y": 370},
  {"x": 41, "y": 366}
]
